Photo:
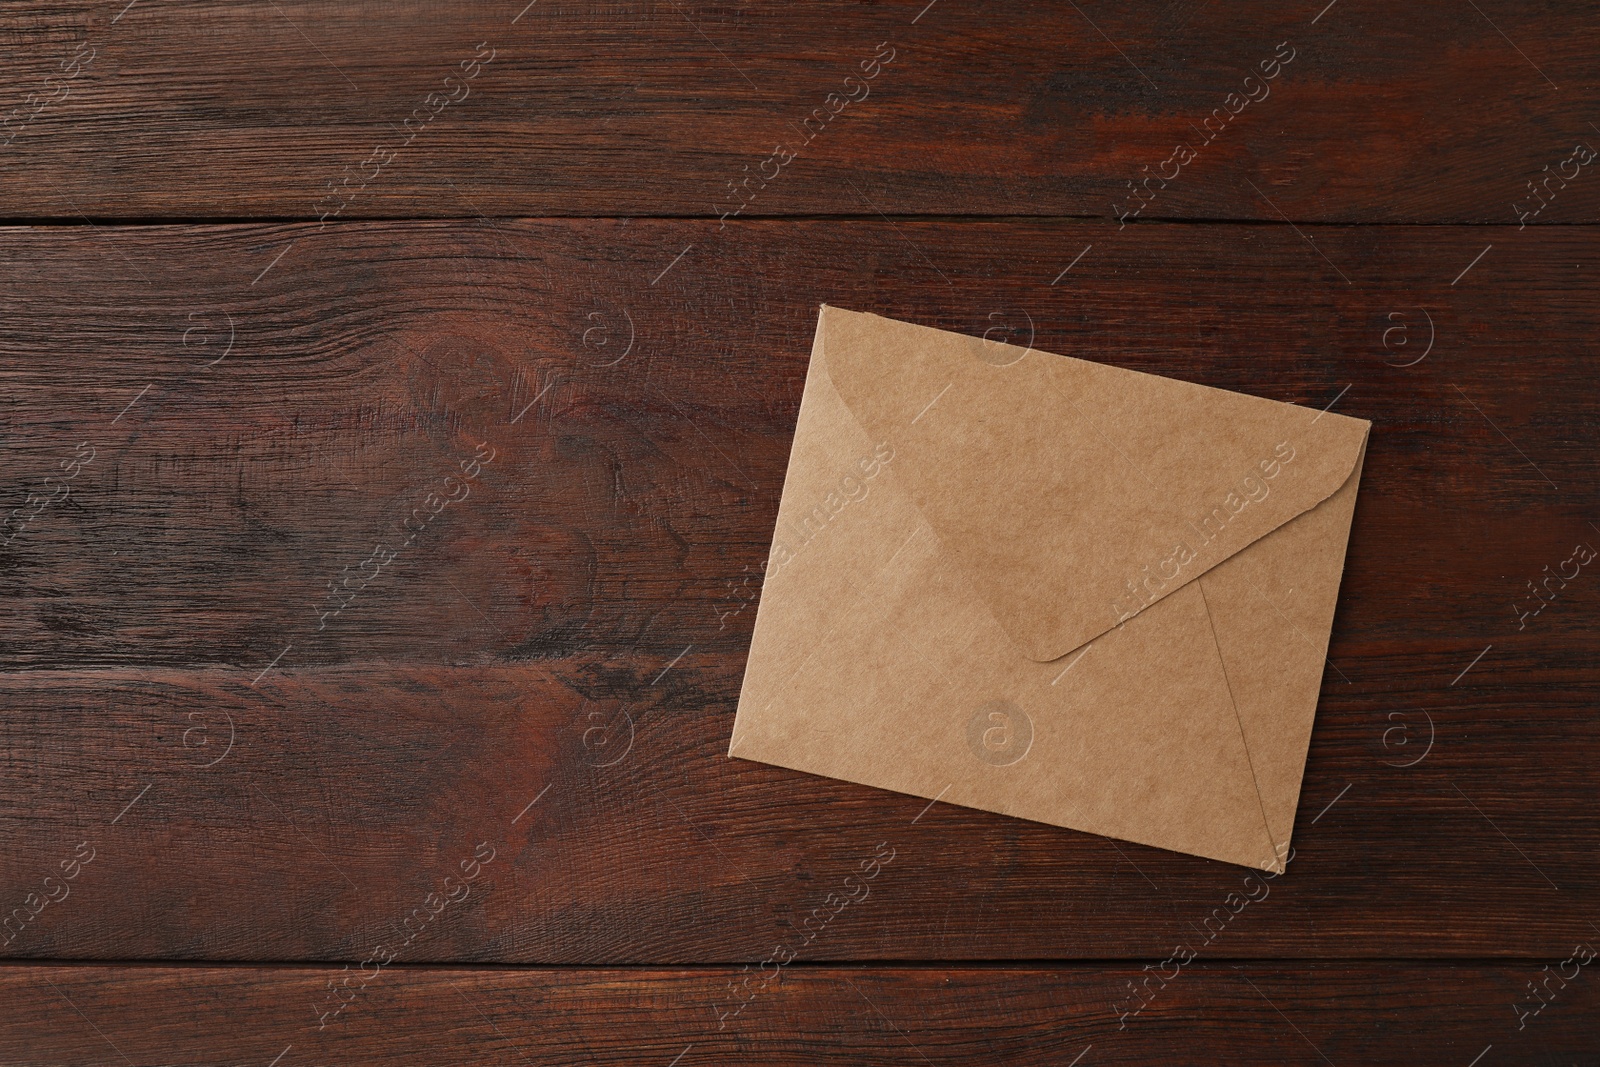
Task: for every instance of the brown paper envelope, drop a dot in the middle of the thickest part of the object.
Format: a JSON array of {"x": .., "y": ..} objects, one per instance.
[{"x": 986, "y": 587}]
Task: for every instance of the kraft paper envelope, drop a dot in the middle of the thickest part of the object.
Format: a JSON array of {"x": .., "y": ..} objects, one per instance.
[{"x": 1049, "y": 588}]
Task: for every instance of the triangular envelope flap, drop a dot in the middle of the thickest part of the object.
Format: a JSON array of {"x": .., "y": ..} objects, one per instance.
[{"x": 1075, "y": 495}]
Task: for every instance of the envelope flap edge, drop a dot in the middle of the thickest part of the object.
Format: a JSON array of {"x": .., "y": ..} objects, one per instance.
[{"x": 1039, "y": 606}]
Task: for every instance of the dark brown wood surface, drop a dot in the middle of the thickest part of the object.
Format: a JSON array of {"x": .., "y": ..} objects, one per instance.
[
  {"x": 569, "y": 625},
  {"x": 1266, "y": 1014},
  {"x": 258, "y": 317},
  {"x": 1384, "y": 112}
]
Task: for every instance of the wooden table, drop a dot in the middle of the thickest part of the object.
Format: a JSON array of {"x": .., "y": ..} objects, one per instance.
[{"x": 274, "y": 272}]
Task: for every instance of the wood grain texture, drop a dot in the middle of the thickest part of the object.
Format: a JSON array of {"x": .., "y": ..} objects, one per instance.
[
  {"x": 1394, "y": 113},
  {"x": 575, "y": 621},
  {"x": 1255, "y": 1014},
  {"x": 378, "y": 589}
]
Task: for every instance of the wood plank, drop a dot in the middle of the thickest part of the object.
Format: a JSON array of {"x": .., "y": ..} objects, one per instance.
[
  {"x": 1399, "y": 1014},
  {"x": 590, "y": 579},
  {"x": 1409, "y": 113},
  {"x": 268, "y": 402},
  {"x": 349, "y": 796}
]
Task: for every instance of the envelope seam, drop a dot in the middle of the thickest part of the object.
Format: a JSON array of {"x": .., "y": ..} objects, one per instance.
[
  {"x": 833, "y": 628},
  {"x": 1255, "y": 783},
  {"x": 821, "y": 349},
  {"x": 1217, "y": 563}
]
